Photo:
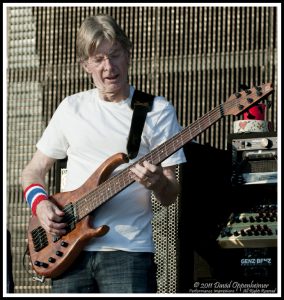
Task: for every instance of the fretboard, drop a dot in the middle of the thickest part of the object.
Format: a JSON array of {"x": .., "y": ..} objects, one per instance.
[{"x": 117, "y": 183}]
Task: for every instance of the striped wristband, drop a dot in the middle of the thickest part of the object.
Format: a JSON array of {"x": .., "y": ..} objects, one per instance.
[{"x": 34, "y": 194}]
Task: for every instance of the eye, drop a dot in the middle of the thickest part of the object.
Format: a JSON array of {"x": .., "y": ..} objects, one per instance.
[
  {"x": 114, "y": 55},
  {"x": 98, "y": 59}
]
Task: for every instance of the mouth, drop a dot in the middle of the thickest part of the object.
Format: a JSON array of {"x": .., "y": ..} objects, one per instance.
[{"x": 111, "y": 77}]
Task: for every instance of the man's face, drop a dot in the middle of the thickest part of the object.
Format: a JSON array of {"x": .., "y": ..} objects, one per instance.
[{"x": 109, "y": 69}]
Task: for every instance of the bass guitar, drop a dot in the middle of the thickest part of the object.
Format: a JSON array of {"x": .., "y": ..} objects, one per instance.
[{"x": 51, "y": 255}]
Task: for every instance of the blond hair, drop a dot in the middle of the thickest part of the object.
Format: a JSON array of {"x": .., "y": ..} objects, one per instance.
[{"x": 96, "y": 29}]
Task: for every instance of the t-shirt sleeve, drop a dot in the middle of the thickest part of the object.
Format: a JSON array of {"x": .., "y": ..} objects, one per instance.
[
  {"x": 53, "y": 141},
  {"x": 166, "y": 127}
]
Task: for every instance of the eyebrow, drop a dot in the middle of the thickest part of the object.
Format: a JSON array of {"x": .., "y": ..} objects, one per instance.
[{"x": 112, "y": 50}]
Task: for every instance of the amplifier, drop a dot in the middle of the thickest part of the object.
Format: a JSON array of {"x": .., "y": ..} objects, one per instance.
[
  {"x": 256, "y": 228},
  {"x": 254, "y": 158}
]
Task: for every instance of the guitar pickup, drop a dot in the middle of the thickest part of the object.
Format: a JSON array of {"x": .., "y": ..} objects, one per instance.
[{"x": 39, "y": 238}]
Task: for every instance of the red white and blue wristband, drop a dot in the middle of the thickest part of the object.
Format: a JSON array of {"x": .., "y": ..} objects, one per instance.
[{"x": 34, "y": 194}]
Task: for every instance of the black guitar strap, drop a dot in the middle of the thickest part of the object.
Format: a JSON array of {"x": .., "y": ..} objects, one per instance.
[{"x": 141, "y": 104}]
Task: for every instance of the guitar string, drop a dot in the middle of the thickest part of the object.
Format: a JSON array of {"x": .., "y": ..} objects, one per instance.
[
  {"x": 112, "y": 189},
  {"x": 152, "y": 158},
  {"x": 108, "y": 187},
  {"x": 188, "y": 133},
  {"x": 194, "y": 129}
]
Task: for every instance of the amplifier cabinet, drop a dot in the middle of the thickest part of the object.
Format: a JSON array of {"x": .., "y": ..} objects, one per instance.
[{"x": 254, "y": 158}]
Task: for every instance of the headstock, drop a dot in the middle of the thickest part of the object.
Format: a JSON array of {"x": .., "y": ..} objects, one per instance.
[{"x": 238, "y": 102}]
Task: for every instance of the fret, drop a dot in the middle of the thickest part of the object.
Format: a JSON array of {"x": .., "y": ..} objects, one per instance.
[
  {"x": 151, "y": 159},
  {"x": 117, "y": 183}
]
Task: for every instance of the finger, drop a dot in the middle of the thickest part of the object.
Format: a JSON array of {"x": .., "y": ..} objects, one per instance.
[
  {"x": 55, "y": 228},
  {"x": 143, "y": 181},
  {"x": 148, "y": 185},
  {"x": 58, "y": 228},
  {"x": 152, "y": 169},
  {"x": 54, "y": 222},
  {"x": 149, "y": 166},
  {"x": 145, "y": 171},
  {"x": 58, "y": 211},
  {"x": 139, "y": 171},
  {"x": 56, "y": 215},
  {"x": 136, "y": 177},
  {"x": 51, "y": 228},
  {"x": 58, "y": 232}
]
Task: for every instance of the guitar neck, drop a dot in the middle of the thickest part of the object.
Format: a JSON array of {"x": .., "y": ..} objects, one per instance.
[{"x": 117, "y": 183}]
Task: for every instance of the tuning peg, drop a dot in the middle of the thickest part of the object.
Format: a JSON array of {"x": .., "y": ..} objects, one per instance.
[{"x": 244, "y": 87}]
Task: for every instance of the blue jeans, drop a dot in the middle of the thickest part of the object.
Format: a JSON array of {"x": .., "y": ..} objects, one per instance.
[{"x": 109, "y": 272}]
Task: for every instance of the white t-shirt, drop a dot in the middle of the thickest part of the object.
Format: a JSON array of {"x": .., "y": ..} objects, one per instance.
[{"x": 89, "y": 130}]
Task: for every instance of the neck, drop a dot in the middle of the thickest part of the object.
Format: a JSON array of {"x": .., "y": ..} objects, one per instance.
[{"x": 115, "y": 96}]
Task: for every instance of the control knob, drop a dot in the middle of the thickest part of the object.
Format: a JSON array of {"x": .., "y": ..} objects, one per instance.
[{"x": 266, "y": 143}]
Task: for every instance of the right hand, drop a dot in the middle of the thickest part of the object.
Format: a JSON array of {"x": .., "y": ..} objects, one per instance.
[{"x": 50, "y": 217}]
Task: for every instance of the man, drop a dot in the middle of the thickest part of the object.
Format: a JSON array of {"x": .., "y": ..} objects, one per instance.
[{"x": 89, "y": 127}]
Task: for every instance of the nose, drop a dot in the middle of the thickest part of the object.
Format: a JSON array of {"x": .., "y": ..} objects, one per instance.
[{"x": 108, "y": 64}]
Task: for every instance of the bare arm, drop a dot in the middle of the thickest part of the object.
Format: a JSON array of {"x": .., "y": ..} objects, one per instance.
[
  {"x": 48, "y": 213},
  {"x": 162, "y": 181},
  {"x": 36, "y": 169}
]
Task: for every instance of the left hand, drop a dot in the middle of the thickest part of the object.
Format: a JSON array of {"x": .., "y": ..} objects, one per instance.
[{"x": 151, "y": 176}]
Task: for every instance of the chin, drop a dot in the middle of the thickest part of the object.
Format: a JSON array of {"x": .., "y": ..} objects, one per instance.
[{"x": 115, "y": 87}]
